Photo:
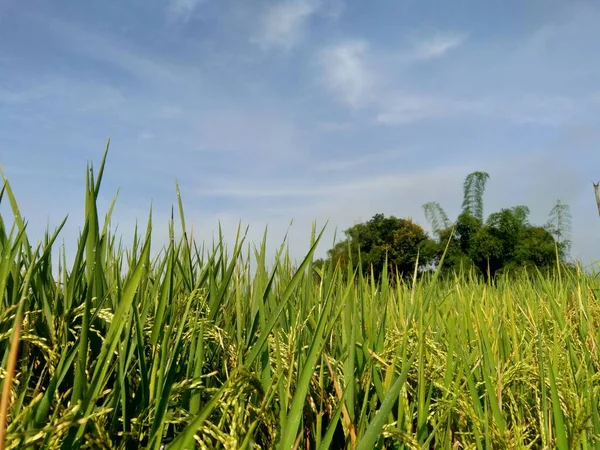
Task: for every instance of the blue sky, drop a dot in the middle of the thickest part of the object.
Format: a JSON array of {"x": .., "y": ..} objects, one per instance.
[{"x": 304, "y": 110}]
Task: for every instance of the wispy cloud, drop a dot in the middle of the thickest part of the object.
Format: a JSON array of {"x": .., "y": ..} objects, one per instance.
[
  {"x": 362, "y": 79},
  {"x": 346, "y": 163},
  {"x": 363, "y": 185},
  {"x": 346, "y": 73},
  {"x": 283, "y": 24},
  {"x": 383, "y": 86},
  {"x": 402, "y": 109},
  {"x": 183, "y": 10},
  {"x": 405, "y": 108},
  {"x": 82, "y": 97},
  {"x": 437, "y": 45},
  {"x": 120, "y": 54}
]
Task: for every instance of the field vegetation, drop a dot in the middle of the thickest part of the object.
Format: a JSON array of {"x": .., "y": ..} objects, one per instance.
[{"x": 218, "y": 347}]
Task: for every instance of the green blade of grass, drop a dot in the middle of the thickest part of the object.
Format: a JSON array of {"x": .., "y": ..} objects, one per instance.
[
  {"x": 292, "y": 422},
  {"x": 562, "y": 442},
  {"x": 111, "y": 340},
  {"x": 373, "y": 431},
  {"x": 282, "y": 304},
  {"x": 185, "y": 439},
  {"x": 335, "y": 418}
]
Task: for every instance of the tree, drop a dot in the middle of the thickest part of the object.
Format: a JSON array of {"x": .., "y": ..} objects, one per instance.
[
  {"x": 473, "y": 189},
  {"x": 464, "y": 228},
  {"x": 398, "y": 241},
  {"x": 449, "y": 245},
  {"x": 472, "y": 205},
  {"x": 506, "y": 240},
  {"x": 467, "y": 227},
  {"x": 487, "y": 252},
  {"x": 436, "y": 216},
  {"x": 559, "y": 225},
  {"x": 508, "y": 226},
  {"x": 537, "y": 248}
]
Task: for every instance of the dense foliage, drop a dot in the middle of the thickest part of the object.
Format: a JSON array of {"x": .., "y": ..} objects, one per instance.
[
  {"x": 506, "y": 241},
  {"x": 384, "y": 242},
  {"x": 202, "y": 349},
  {"x": 503, "y": 242}
]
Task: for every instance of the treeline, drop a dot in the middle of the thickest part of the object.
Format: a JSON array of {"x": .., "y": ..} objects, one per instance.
[{"x": 504, "y": 241}]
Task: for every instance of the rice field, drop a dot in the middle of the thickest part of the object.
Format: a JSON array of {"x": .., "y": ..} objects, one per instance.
[{"x": 219, "y": 348}]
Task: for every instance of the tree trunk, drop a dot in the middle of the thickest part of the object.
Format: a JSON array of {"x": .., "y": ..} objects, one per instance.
[{"x": 597, "y": 195}]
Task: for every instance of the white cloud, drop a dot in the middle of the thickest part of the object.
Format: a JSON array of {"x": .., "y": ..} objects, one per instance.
[
  {"x": 346, "y": 72},
  {"x": 361, "y": 77},
  {"x": 284, "y": 23},
  {"x": 438, "y": 45},
  {"x": 372, "y": 80},
  {"x": 182, "y": 10}
]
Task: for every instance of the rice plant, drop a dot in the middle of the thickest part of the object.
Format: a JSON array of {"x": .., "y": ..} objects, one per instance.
[{"x": 221, "y": 348}]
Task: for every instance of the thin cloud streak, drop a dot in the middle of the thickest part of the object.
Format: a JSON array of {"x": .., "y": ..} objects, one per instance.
[
  {"x": 183, "y": 10},
  {"x": 438, "y": 45},
  {"x": 283, "y": 24},
  {"x": 407, "y": 108},
  {"x": 348, "y": 163},
  {"x": 390, "y": 181},
  {"x": 158, "y": 72}
]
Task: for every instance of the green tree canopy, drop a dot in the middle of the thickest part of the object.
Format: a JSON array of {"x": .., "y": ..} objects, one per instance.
[
  {"x": 397, "y": 240},
  {"x": 506, "y": 240},
  {"x": 559, "y": 225}
]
